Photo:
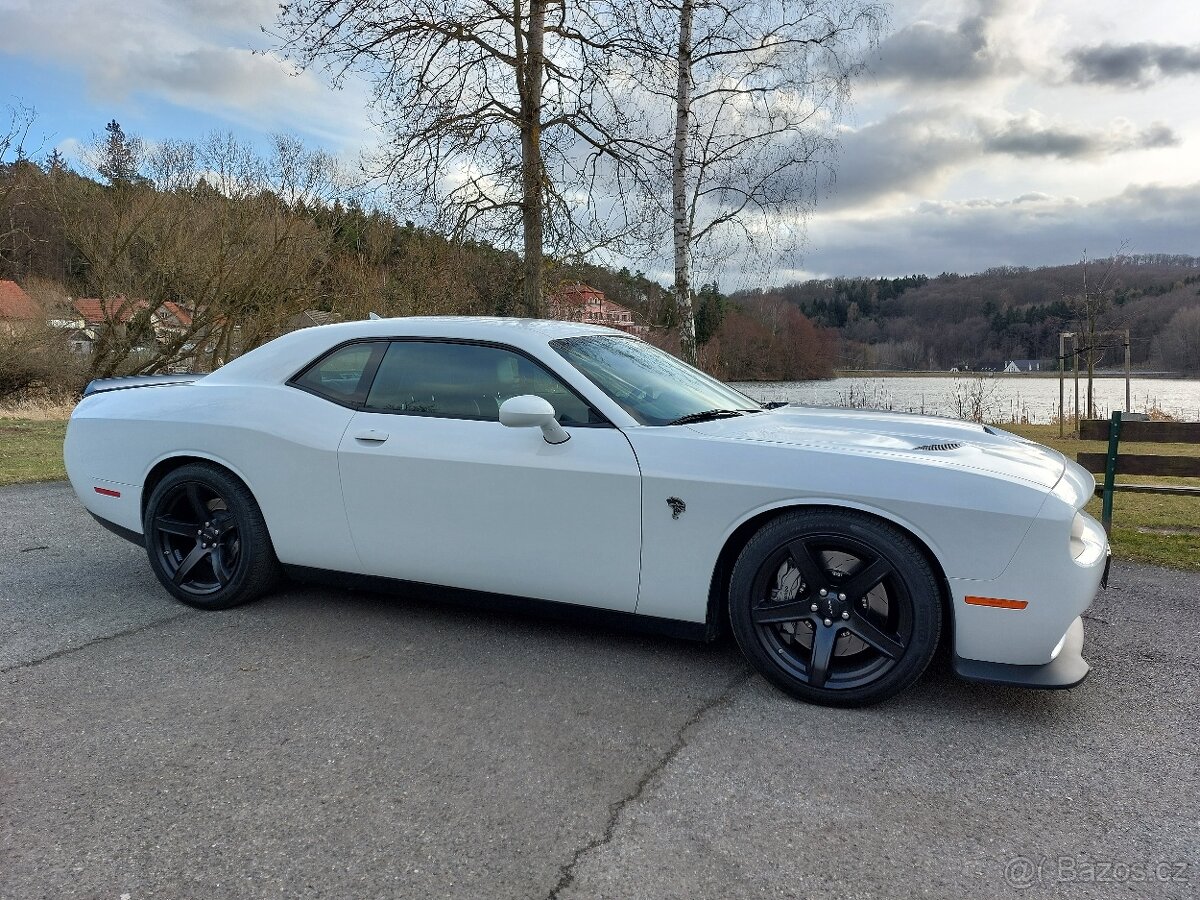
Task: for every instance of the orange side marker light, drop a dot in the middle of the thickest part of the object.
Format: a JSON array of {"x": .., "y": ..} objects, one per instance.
[{"x": 997, "y": 603}]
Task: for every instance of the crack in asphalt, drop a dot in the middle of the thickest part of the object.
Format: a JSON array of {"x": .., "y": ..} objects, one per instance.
[
  {"x": 66, "y": 651},
  {"x": 567, "y": 872}
]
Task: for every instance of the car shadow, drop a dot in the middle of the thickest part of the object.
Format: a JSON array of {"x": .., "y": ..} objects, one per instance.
[{"x": 938, "y": 694}]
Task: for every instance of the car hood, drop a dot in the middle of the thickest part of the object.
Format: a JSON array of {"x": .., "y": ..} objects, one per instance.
[{"x": 928, "y": 439}]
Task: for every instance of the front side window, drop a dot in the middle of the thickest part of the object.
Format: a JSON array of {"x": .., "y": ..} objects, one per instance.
[
  {"x": 466, "y": 381},
  {"x": 650, "y": 384}
]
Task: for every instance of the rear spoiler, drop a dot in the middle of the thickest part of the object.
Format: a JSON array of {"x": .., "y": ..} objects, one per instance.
[{"x": 102, "y": 385}]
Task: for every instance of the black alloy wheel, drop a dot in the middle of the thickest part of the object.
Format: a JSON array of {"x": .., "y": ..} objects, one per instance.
[
  {"x": 835, "y": 607},
  {"x": 206, "y": 538}
]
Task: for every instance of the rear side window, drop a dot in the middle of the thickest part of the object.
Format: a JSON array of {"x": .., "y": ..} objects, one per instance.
[{"x": 344, "y": 374}]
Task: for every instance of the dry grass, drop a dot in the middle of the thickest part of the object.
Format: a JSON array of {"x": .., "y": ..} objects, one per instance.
[{"x": 37, "y": 410}]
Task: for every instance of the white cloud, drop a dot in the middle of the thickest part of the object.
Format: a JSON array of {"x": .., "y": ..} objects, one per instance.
[
  {"x": 1031, "y": 229},
  {"x": 975, "y": 147},
  {"x": 196, "y": 55},
  {"x": 917, "y": 150}
]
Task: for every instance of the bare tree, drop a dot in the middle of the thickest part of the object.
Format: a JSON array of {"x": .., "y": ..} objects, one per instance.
[
  {"x": 1090, "y": 305},
  {"x": 484, "y": 105},
  {"x": 752, "y": 87},
  {"x": 302, "y": 177},
  {"x": 973, "y": 399},
  {"x": 204, "y": 252},
  {"x": 15, "y": 132}
]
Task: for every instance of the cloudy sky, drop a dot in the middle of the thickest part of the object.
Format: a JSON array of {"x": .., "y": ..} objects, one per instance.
[{"x": 990, "y": 132}]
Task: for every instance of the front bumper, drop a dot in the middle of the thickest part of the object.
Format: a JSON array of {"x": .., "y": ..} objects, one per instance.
[
  {"x": 1019, "y": 617},
  {"x": 1066, "y": 670}
]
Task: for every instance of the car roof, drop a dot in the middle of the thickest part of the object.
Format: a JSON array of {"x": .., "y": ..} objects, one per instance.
[{"x": 281, "y": 358}]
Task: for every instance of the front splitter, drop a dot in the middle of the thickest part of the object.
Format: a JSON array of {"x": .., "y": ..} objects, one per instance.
[{"x": 1066, "y": 670}]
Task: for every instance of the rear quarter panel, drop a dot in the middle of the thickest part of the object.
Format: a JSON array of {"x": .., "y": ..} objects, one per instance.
[{"x": 280, "y": 441}]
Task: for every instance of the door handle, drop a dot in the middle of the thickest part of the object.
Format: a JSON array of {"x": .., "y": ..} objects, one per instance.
[{"x": 372, "y": 436}]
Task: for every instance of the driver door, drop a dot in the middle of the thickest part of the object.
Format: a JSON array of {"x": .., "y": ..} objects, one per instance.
[{"x": 438, "y": 491}]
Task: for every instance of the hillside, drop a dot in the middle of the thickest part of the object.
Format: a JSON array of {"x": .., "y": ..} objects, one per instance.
[
  {"x": 980, "y": 321},
  {"x": 246, "y": 246}
]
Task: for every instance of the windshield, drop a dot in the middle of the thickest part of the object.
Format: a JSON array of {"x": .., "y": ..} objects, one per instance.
[{"x": 650, "y": 384}]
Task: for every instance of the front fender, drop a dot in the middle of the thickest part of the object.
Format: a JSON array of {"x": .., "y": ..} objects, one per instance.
[{"x": 971, "y": 522}]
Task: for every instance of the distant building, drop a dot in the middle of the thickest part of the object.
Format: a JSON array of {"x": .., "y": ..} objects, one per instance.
[
  {"x": 1023, "y": 365},
  {"x": 172, "y": 317},
  {"x": 309, "y": 319},
  {"x": 110, "y": 311},
  {"x": 583, "y": 303},
  {"x": 79, "y": 337},
  {"x": 168, "y": 320},
  {"x": 17, "y": 309}
]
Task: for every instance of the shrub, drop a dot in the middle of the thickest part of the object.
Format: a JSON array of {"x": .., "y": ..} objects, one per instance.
[{"x": 37, "y": 362}]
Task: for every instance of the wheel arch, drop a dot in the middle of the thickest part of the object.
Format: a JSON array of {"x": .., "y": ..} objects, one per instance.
[
  {"x": 164, "y": 466},
  {"x": 718, "y": 592}
]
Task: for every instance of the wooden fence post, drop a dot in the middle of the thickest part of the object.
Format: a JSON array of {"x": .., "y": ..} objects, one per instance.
[{"x": 1110, "y": 471}]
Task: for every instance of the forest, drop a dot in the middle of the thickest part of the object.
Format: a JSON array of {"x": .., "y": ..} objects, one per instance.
[{"x": 979, "y": 322}]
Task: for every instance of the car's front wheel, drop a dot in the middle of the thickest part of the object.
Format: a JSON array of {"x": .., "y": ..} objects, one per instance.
[
  {"x": 206, "y": 538},
  {"x": 835, "y": 607}
]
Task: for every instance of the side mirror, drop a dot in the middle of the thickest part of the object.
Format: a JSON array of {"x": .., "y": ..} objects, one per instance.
[{"x": 528, "y": 411}]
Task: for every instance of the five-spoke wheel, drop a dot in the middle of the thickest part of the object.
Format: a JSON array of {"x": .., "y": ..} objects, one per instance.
[
  {"x": 835, "y": 607},
  {"x": 206, "y": 538}
]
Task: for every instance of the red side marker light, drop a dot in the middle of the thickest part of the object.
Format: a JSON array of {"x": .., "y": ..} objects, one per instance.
[
  {"x": 997, "y": 603},
  {"x": 107, "y": 493}
]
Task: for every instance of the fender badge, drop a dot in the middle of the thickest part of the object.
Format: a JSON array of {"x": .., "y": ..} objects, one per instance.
[{"x": 677, "y": 506}]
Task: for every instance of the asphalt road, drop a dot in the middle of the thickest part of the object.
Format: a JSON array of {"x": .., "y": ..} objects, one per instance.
[{"x": 333, "y": 744}]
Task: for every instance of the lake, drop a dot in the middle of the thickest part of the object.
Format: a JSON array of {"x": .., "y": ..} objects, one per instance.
[{"x": 1003, "y": 398}]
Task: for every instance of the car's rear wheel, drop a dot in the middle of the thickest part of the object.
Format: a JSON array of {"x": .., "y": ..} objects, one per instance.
[
  {"x": 206, "y": 538},
  {"x": 835, "y": 607}
]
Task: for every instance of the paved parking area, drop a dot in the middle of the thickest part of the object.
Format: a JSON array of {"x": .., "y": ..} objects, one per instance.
[{"x": 333, "y": 744}]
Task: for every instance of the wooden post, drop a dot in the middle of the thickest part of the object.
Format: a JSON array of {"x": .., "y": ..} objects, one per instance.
[
  {"x": 1110, "y": 471},
  {"x": 1062, "y": 353},
  {"x": 1075, "y": 353},
  {"x": 1128, "y": 394}
]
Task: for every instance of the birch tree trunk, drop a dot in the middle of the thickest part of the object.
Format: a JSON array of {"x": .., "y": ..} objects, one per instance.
[{"x": 680, "y": 208}]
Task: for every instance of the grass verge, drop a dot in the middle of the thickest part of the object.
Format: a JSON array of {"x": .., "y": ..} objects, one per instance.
[{"x": 31, "y": 450}]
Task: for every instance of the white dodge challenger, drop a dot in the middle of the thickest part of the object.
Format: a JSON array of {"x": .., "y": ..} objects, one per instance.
[{"x": 577, "y": 469}]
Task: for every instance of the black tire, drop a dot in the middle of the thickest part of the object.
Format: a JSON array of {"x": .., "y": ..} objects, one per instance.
[
  {"x": 878, "y": 610},
  {"x": 206, "y": 538}
]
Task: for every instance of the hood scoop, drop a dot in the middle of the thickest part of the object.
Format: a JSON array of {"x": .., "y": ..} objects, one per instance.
[{"x": 940, "y": 448}]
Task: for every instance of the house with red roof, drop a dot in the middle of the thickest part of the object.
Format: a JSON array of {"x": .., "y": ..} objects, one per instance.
[
  {"x": 580, "y": 302},
  {"x": 118, "y": 312},
  {"x": 18, "y": 311},
  {"x": 110, "y": 311},
  {"x": 172, "y": 315}
]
